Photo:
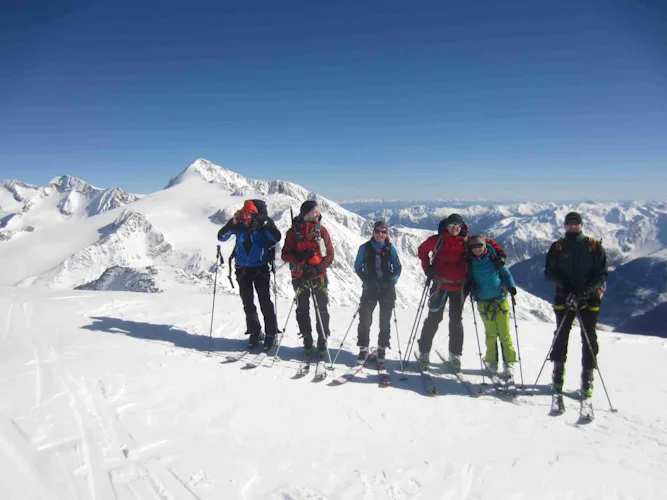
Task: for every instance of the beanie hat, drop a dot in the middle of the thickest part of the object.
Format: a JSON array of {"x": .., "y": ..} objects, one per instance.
[
  {"x": 573, "y": 218},
  {"x": 249, "y": 206},
  {"x": 307, "y": 207},
  {"x": 380, "y": 225},
  {"x": 454, "y": 219}
]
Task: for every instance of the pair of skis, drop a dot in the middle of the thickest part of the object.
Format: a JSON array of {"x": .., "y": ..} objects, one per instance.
[
  {"x": 255, "y": 355},
  {"x": 383, "y": 374},
  {"x": 586, "y": 413},
  {"x": 304, "y": 367}
]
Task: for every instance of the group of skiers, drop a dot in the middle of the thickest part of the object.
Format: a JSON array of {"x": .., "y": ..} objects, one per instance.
[{"x": 455, "y": 263}]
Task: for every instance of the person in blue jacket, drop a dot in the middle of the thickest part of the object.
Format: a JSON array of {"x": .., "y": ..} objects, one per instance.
[
  {"x": 490, "y": 286},
  {"x": 256, "y": 235},
  {"x": 379, "y": 268}
]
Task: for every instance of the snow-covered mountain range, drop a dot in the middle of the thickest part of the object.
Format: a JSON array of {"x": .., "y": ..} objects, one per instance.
[
  {"x": 72, "y": 235},
  {"x": 23, "y": 207},
  {"x": 167, "y": 240}
]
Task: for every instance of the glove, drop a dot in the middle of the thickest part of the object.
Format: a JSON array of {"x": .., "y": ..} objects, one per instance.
[
  {"x": 259, "y": 221},
  {"x": 430, "y": 272},
  {"x": 575, "y": 288},
  {"x": 305, "y": 255},
  {"x": 499, "y": 260},
  {"x": 311, "y": 271},
  {"x": 512, "y": 291}
]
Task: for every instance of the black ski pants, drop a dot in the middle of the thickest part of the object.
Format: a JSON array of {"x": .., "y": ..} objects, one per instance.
[
  {"x": 589, "y": 318},
  {"x": 456, "y": 300},
  {"x": 304, "y": 289},
  {"x": 370, "y": 296},
  {"x": 259, "y": 278}
]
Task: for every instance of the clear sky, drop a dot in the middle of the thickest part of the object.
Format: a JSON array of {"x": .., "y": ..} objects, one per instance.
[{"x": 422, "y": 99}]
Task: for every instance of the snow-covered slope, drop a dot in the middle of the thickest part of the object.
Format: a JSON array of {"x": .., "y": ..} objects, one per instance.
[
  {"x": 166, "y": 240},
  {"x": 112, "y": 396},
  {"x": 25, "y": 208}
]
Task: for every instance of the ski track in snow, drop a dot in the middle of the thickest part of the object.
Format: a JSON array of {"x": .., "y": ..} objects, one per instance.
[
  {"x": 8, "y": 322},
  {"x": 99, "y": 427}
]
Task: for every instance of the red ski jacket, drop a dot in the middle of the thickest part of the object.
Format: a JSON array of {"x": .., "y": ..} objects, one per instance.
[{"x": 450, "y": 260}]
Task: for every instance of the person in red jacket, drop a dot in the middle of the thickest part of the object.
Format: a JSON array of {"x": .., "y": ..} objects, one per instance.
[
  {"x": 309, "y": 251},
  {"x": 449, "y": 273}
]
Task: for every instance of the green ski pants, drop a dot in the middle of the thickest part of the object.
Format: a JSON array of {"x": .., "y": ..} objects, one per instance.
[{"x": 496, "y": 317}]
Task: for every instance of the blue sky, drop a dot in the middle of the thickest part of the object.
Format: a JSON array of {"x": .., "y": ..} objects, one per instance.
[{"x": 354, "y": 99}]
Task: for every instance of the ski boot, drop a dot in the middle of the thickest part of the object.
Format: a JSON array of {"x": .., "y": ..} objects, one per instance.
[
  {"x": 268, "y": 341},
  {"x": 255, "y": 339},
  {"x": 380, "y": 359},
  {"x": 558, "y": 376},
  {"x": 508, "y": 373},
  {"x": 424, "y": 363},
  {"x": 587, "y": 383},
  {"x": 493, "y": 368},
  {"x": 455, "y": 361},
  {"x": 363, "y": 354}
]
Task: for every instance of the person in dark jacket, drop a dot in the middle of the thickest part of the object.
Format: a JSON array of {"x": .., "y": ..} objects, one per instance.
[
  {"x": 449, "y": 274},
  {"x": 309, "y": 251},
  {"x": 578, "y": 266},
  {"x": 256, "y": 235},
  {"x": 379, "y": 268}
]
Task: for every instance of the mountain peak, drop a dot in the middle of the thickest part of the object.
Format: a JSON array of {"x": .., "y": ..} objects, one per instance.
[{"x": 64, "y": 183}]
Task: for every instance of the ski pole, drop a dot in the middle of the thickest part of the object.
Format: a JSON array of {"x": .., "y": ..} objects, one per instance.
[
  {"x": 218, "y": 261},
  {"x": 479, "y": 346},
  {"x": 568, "y": 303},
  {"x": 321, "y": 325},
  {"x": 398, "y": 340},
  {"x": 595, "y": 359},
  {"x": 415, "y": 325},
  {"x": 280, "y": 342},
  {"x": 348, "y": 331},
  {"x": 518, "y": 345},
  {"x": 275, "y": 289}
]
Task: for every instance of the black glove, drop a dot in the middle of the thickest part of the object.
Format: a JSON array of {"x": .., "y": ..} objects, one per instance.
[
  {"x": 575, "y": 288},
  {"x": 259, "y": 221},
  {"x": 311, "y": 271},
  {"x": 499, "y": 260},
  {"x": 305, "y": 255},
  {"x": 430, "y": 273},
  {"x": 512, "y": 290}
]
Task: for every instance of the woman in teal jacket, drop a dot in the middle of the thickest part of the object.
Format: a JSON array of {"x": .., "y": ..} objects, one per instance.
[{"x": 491, "y": 283}]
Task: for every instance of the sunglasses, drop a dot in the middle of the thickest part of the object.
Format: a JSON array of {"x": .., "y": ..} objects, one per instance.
[
  {"x": 477, "y": 245},
  {"x": 454, "y": 224},
  {"x": 381, "y": 231}
]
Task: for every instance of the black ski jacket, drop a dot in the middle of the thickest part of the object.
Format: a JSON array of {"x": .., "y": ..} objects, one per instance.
[{"x": 580, "y": 263}]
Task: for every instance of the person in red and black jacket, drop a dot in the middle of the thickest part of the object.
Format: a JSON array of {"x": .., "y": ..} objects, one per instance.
[
  {"x": 309, "y": 251},
  {"x": 448, "y": 271}
]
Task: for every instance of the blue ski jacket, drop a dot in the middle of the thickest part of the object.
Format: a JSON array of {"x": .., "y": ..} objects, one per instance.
[
  {"x": 490, "y": 281},
  {"x": 253, "y": 247}
]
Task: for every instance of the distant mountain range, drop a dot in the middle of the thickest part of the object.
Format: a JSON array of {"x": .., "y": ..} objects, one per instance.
[{"x": 69, "y": 234}]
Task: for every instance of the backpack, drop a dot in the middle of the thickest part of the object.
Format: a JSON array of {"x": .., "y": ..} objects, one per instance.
[{"x": 592, "y": 244}]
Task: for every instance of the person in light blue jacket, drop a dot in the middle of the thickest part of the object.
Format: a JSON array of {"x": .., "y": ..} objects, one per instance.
[
  {"x": 490, "y": 285},
  {"x": 379, "y": 268}
]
